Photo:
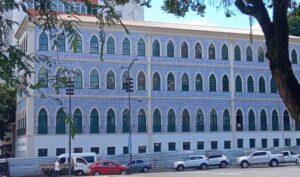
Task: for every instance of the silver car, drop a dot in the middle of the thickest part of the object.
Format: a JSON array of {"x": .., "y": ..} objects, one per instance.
[
  {"x": 218, "y": 160},
  {"x": 192, "y": 161}
]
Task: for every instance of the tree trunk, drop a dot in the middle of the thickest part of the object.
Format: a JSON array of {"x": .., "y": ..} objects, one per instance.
[{"x": 277, "y": 41}]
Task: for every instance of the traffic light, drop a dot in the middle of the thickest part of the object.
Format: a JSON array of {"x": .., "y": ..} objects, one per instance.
[{"x": 129, "y": 85}]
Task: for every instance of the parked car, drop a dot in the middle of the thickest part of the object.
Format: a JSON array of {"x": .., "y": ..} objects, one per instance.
[
  {"x": 192, "y": 161},
  {"x": 107, "y": 167},
  {"x": 139, "y": 165},
  {"x": 218, "y": 160},
  {"x": 259, "y": 157},
  {"x": 289, "y": 157}
]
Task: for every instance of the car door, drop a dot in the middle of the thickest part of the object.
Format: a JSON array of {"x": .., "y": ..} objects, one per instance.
[
  {"x": 259, "y": 157},
  {"x": 113, "y": 168},
  {"x": 103, "y": 167},
  {"x": 212, "y": 160},
  {"x": 189, "y": 161},
  {"x": 81, "y": 164},
  {"x": 139, "y": 165},
  {"x": 133, "y": 165}
]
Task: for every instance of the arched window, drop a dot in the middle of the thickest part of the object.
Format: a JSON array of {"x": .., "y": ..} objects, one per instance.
[
  {"x": 275, "y": 125},
  {"x": 78, "y": 45},
  {"x": 286, "y": 121},
  {"x": 142, "y": 121},
  {"x": 43, "y": 78},
  {"x": 110, "y": 45},
  {"x": 250, "y": 85},
  {"x": 110, "y": 80},
  {"x": 185, "y": 121},
  {"x": 155, "y": 48},
  {"x": 249, "y": 54},
  {"x": 225, "y": 52},
  {"x": 198, "y": 51},
  {"x": 171, "y": 121},
  {"x": 78, "y": 121},
  {"x": 94, "y": 80},
  {"x": 262, "y": 86},
  {"x": 213, "y": 120},
  {"x": 94, "y": 45},
  {"x": 156, "y": 121},
  {"x": 199, "y": 121},
  {"x": 43, "y": 42},
  {"x": 94, "y": 121},
  {"x": 60, "y": 122},
  {"x": 211, "y": 52},
  {"x": 124, "y": 77},
  {"x": 212, "y": 84},
  {"x": 61, "y": 43},
  {"x": 238, "y": 84},
  {"x": 141, "y": 81},
  {"x": 171, "y": 82},
  {"x": 60, "y": 78},
  {"x": 42, "y": 122},
  {"x": 239, "y": 121},
  {"x": 260, "y": 55},
  {"x": 185, "y": 82},
  {"x": 294, "y": 57},
  {"x": 226, "y": 120},
  {"x": 263, "y": 121},
  {"x": 78, "y": 79},
  {"x": 273, "y": 86},
  {"x": 251, "y": 120},
  {"x": 199, "y": 83},
  {"x": 141, "y": 47},
  {"x": 126, "y": 121},
  {"x": 126, "y": 47},
  {"x": 156, "y": 81},
  {"x": 110, "y": 122},
  {"x": 184, "y": 50},
  {"x": 237, "y": 53},
  {"x": 225, "y": 84},
  {"x": 170, "y": 49}
]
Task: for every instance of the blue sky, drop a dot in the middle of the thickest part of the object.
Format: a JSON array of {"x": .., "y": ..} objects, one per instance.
[{"x": 213, "y": 17}]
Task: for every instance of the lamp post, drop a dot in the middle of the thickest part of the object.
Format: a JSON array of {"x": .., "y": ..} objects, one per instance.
[
  {"x": 129, "y": 88},
  {"x": 70, "y": 92}
]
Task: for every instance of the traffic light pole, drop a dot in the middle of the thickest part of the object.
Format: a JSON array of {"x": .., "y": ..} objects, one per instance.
[
  {"x": 129, "y": 88},
  {"x": 70, "y": 92}
]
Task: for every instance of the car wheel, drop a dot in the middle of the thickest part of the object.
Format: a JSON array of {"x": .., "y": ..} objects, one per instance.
[
  {"x": 274, "y": 163},
  {"x": 145, "y": 169},
  {"x": 80, "y": 173},
  {"x": 244, "y": 164},
  {"x": 123, "y": 172},
  {"x": 180, "y": 168},
  {"x": 203, "y": 166},
  {"x": 97, "y": 173},
  {"x": 223, "y": 164}
]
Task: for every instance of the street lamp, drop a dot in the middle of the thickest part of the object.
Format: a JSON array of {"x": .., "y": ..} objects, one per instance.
[{"x": 129, "y": 88}]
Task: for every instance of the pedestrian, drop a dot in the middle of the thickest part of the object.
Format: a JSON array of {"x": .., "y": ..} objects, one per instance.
[{"x": 56, "y": 169}]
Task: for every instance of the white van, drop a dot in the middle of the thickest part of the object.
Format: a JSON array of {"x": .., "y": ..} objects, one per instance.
[{"x": 90, "y": 157}]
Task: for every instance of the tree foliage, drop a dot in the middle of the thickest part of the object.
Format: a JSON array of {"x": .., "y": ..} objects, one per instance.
[
  {"x": 7, "y": 109},
  {"x": 294, "y": 22}
]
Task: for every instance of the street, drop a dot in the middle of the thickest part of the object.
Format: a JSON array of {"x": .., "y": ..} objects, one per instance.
[{"x": 263, "y": 171}]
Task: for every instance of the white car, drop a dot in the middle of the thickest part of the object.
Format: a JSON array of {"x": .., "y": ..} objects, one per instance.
[
  {"x": 192, "y": 161},
  {"x": 218, "y": 160}
]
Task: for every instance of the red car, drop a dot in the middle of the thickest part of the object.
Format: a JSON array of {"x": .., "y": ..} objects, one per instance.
[{"x": 107, "y": 167}]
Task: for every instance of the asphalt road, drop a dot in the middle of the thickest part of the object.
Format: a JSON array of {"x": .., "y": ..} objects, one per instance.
[{"x": 262, "y": 171}]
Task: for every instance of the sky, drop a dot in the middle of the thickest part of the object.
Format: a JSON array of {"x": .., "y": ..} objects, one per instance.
[{"x": 213, "y": 17}]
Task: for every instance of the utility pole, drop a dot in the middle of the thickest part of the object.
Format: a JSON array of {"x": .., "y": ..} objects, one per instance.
[
  {"x": 129, "y": 88},
  {"x": 70, "y": 92}
]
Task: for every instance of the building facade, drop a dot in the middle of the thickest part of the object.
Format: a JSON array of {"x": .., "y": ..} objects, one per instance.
[{"x": 195, "y": 88}]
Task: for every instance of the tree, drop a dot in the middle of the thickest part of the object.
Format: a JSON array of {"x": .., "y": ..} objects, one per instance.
[
  {"x": 276, "y": 33},
  {"x": 294, "y": 22},
  {"x": 7, "y": 109}
]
